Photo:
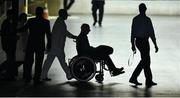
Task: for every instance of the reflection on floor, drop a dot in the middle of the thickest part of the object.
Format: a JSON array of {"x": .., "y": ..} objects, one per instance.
[{"x": 116, "y": 33}]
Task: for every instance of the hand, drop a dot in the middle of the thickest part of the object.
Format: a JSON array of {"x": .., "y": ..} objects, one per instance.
[
  {"x": 75, "y": 37},
  {"x": 156, "y": 49},
  {"x": 133, "y": 49}
]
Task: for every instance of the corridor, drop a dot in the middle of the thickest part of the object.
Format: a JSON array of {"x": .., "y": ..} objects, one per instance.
[{"x": 115, "y": 32}]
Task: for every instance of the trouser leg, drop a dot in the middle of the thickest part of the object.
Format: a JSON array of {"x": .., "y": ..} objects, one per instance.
[
  {"x": 18, "y": 63},
  {"x": 65, "y": 4},
  {"x": 63, "y": 63},
  {"x": 94, "y": 14},
  {"x": 137, "y": 70},
  {"x": 29, "y": 59},
  {"x": 101, "y": 13},
  {"x": 144, "y": 48},
  {"x": 47, "y": 64},
  {"x": 103, "y": 52},
  {"x": 70, "y": 4},
  {"x": 38, "y": 64},
  {"x": 11, "y": 66},
  {"x": 147, "y": 70}
]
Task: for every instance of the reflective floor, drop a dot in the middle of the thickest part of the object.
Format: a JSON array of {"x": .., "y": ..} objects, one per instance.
[{"x": 115, "y": 32}]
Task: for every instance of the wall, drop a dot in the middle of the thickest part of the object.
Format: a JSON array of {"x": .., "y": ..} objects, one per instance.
[{"x": 129, "y": 7}]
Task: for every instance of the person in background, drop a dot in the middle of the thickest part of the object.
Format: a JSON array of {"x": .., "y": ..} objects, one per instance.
[
  {"x": 98, "y": 5},
  {"x": 23, "y": 35},
  {"x": 38, "y": 27},
  {"x": 8, "y": 40},
  {"x": 22, "y": 42},
  {"x": 142, "y": 29},
  {"x": 68, "y": 4}
]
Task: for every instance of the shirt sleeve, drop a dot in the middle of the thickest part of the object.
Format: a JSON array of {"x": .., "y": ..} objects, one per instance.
[
  {"x": 132, "y": 31},
  {"x": 151, "y": 30},
  {"x": 48, "y": 35},
  {"x": 68, "y": 34}
]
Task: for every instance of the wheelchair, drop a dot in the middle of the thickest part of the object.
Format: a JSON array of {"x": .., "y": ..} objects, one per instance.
[{"x": 83, "y": 68}]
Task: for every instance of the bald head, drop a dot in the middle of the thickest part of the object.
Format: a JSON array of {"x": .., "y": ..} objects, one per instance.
[
  {"x": 142, "y": 8},
  {"x": 85, "y": 28}
]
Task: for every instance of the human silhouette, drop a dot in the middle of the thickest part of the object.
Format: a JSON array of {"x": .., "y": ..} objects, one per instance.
[
  {"x": 59, "y": 34},
  {"x": 101, "y": 52},
  {"x": 98, "y": 5},
  {"x": 22, "y": 42},
  {"x": 67, "y": 4},
  {"x": 8, "y": 40},
  {"x": 141, "y": 30},
  {"x": 23, "y": 35},
  {"x": 38, "y": 27}
]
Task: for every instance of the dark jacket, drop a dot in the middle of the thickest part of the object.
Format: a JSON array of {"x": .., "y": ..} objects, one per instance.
[
  {"x": 38, "y": 27},
  {"x": 82, "y": 45},
  {"x": 8, "y": 36}
]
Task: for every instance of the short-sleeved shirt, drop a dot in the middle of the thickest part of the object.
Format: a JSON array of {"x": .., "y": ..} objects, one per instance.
[{"x": 142, "y": 27}]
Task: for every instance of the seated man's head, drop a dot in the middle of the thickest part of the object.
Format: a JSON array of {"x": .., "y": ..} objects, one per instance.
[{"x": 85, "y": 28}]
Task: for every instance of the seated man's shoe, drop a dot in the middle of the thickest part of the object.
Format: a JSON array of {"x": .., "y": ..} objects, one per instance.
[
  {"x": 116, "y": 72},
  {"x": 149, "y": 84},
  {"x": 134, "y": 81},
  {"x": 47, "y": 79},
  {"x": 120, "y": 69}
]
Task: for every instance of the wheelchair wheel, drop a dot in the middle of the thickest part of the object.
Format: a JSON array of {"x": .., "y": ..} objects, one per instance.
[
  {"x": 82, "y": 68},
  {"x": 99, "y": 78}
]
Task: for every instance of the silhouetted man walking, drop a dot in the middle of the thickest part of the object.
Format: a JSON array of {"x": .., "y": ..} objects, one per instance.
[
  {"x": 59, "y": 34},
  {"x": 38, "y": 27},
  {"x": 98, "y": 5},
  {"x": 141, "y": 30}
]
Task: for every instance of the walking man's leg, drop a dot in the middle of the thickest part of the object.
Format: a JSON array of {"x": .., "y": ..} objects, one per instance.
[
  {"x": 64, "y": 65},
  {"x": 101, "y": 13},
  {"x": 94, "y": 14},
  {"x": 47, "y": 64},
  {"x": 70, "y": 4},
  {"x": 65, "y": 4}
]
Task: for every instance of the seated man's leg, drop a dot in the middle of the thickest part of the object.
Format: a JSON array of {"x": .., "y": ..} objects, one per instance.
[
  {"x": 112, "y": 68},
  {"x": 102, "y": 52},
  {"x": 103, "y": 49}
]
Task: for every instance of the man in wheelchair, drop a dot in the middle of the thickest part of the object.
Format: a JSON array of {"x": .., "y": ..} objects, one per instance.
[{"x": 101, "y": 52}]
